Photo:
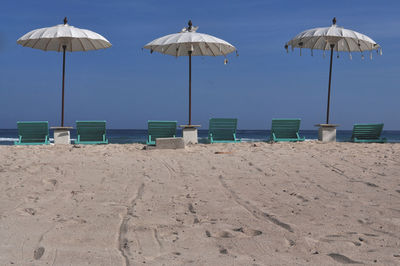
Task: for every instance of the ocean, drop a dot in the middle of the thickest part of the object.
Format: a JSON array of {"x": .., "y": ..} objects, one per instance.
[{"x": 123, "y": 136}]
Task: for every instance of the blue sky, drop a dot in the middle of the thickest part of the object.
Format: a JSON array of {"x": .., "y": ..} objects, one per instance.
[{"x": 127, "y": 86}]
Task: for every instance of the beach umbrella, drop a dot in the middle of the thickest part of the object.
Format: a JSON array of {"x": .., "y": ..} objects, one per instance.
[
  {"x": 190, "y": 43},
  {"x": 63, "y": 38},
  {"x": 333, "y": 38}
]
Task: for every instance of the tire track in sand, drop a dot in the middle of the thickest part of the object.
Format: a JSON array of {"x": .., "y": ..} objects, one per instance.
[
  {"x": 123, "y": 246},
  {"x": 254, "y": 210}
]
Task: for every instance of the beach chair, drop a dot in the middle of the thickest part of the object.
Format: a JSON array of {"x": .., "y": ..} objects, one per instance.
[
  {"x": 91, "y": 132},
  {"x": 222, "y": 130},
  {"x": 33, "y": 133},
  {"x": 285, "y": 130},
  {"x": 367, "y": 133},
  {"x": 160, "y": 129}
]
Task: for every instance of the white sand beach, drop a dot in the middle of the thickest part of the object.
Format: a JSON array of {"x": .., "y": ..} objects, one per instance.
[{"x": 305, "y": 203}]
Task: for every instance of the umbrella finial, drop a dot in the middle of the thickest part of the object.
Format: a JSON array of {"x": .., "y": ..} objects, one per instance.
[
  {"x": 190, "y": 25},
  {"x": 65, "y": 20},
  {"x": 334, "y": 21}
]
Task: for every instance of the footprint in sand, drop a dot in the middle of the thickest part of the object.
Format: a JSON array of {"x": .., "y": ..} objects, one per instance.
[
  {"x": 371, "y": 184},
  {"x": 223, "y": 250},
  {"x": 225, "y": 234},
  {"x": 38, "y": 253},
  {"x": 290, "y": 242},
  {"x": 191, "y": 208},
  {"x": 342, "y": 259},
  {"x": 30, "y": 211},
  {"x": 248, "y": 232},
  {"x": 50, "y": 181},
  {"x": 238, "y": 232},
  {"x": 373, "y": 235}
]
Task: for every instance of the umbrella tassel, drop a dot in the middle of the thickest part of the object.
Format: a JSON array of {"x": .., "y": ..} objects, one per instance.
[
  {"x": 323, "y": 54},
  {"x": 380, "y": 51},
  {"x": 351, "y": 57},
  {"x": 337, "y": 54},
  {"x": 362, "y": 56},
  {"x": 370, "y": 55}
]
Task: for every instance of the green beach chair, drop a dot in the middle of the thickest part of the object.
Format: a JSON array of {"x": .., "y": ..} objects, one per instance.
[
  {"x": 91, "y": 132},
  {"x": 160, "y": 129},
  {"x": 285, "y": 130},
  {"x": 367, "y": 133},
  {"x": 33, "y": 133},
  {"x": 222, "y": 130}
]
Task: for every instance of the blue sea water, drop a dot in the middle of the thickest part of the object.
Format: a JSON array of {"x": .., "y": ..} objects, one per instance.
[{"x": 123, "y": 136}]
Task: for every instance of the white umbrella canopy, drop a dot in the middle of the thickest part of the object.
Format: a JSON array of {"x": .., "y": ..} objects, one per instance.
[
  {"x": 199, "y": 44},
  {"x": 63, "y": 38},
  {"x": 190, "y": 43},
  {"x": 54, "y": 38},
  {"x": 333, "y": 38},
  {"x": 344, "y": 40}
]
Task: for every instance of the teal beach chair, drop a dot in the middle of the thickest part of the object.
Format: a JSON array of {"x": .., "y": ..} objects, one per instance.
[
  {"x": 222, "y": 130},
  {"x": 160, "y": 129},
  {"x": 285, "y": 130},
  {"x": 91, "y": 132},
  {"x": 367, "y": 133},
  {"x": 33, "y": 133}
]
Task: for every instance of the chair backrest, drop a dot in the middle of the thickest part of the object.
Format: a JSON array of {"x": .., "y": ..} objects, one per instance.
[
  {"x": 285, "y": 128},
  {"x": 91, "y": 130},
  {"x": 367, "y": 131},
  {"x": 161, "y": 129},
  {"x": 33, "y": 131},
  {"x": 222, "y": 128}
]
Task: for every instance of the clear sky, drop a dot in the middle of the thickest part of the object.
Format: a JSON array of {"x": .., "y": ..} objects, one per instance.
[{"x": 127, "y": 86}]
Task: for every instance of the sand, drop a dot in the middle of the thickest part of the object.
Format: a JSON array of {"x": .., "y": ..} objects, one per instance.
[{"x": 223, "y": 204}]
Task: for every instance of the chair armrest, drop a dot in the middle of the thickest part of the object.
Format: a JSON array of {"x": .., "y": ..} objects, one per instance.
[
  {"x": 299, "y": 138},
  {"x": 210, "y": 137},
  {"x": 19, "y": 140}
]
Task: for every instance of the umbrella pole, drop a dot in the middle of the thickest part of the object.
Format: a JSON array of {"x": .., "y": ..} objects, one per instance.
[
  {"x": 63, "y": 82},
  {"x": 329, "y": 87},
  {"x": 190, "y": 87}
]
